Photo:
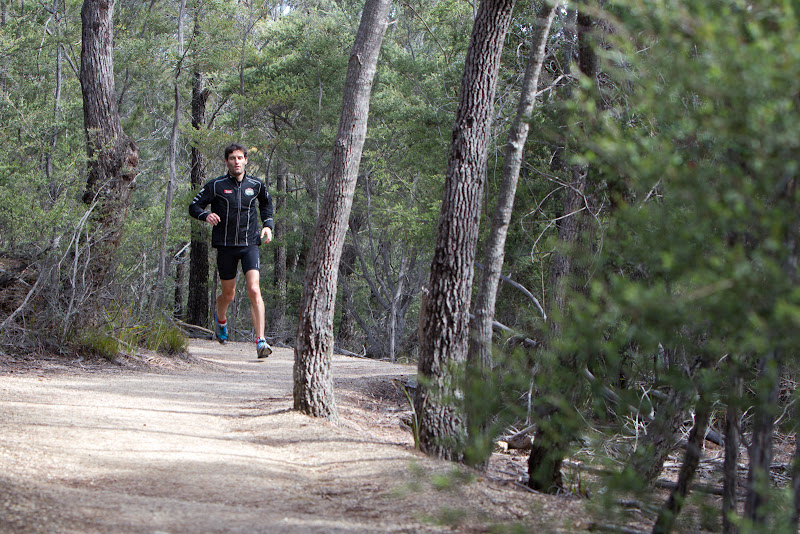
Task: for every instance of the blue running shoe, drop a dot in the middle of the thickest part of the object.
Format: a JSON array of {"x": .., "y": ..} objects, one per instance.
[
  {"x": 221, "y": 330},
  {"x": 262, "y": 348}
]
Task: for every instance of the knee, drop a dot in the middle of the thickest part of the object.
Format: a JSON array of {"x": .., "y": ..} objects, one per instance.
[
  {"x": 253, "y": 292},
  {"x": 227, "y": 295}
]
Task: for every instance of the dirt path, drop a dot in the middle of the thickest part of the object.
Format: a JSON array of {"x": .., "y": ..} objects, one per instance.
[{"x": 213, "y": 446}]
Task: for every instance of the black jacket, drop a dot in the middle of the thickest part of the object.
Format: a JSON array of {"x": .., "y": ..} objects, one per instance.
[{"x": 240, "y": 224}]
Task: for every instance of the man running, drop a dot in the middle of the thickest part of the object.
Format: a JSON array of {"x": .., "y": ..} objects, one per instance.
[{"x": 237, "y": 234}]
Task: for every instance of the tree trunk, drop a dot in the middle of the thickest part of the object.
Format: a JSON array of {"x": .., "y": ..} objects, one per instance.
[
  {"x": 198, "y": 298},
  {"x": 694, "y": 449},
  {"x": 173, "y": 156},
  {"x": 444, "y": 315},
  {"x": 758, "y": 475},
  {"x": 730, "y": 476},
  {"x": 177, "y": 309},
  {"x": 278, "y": 307},
  {"x": 544, "y": 463},
  {"x": 570, "y": 227},
  {"x": 347, "y": 321},
  {"x": 313, "y": 384},
  {"x": 571, "y": 221},
  {"x": 112, "y": 156},
  {"x": 394, "y": 309},
  {"x": 480, "y": 343},
  {"x": 56, "y": 106}
]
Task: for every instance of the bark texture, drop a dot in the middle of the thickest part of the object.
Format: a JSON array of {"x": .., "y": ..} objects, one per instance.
[
  {"x": 112, "y": 156},
  {"x": 444, "y": 316},
  {"x": 313, "y": 384},
  {"x": 197, "y": 301}
]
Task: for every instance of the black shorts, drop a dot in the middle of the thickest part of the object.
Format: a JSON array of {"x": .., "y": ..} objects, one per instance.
[{"x": 228, "y": 259}]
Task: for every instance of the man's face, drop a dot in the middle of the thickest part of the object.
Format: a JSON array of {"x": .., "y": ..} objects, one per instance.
[{"x": 236, "y": 162}]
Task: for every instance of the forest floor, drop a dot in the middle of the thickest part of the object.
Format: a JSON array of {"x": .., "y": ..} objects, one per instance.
[{"x": 209, "y": 443}]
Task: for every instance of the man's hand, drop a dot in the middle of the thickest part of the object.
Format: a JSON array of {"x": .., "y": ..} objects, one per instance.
[
  {"x": 266, "y": 234},
  {"x": 212, "y": 219}
]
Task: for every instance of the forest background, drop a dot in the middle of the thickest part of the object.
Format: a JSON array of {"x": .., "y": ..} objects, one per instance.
[{"x": 650, "y": 269}]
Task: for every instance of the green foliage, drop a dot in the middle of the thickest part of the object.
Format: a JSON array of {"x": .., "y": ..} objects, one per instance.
[
  {"x": 116, "y": 334},
  {"x": 702, "y": 243},
  {"x": 414, "y": 416},
  {"x": 694, "y": 146},
  {"x": 99, "y": 342},
  {"x": 159, "y": 335}
]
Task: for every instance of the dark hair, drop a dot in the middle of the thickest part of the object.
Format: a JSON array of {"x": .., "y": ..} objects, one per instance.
[{"x": 234, "y": 146}]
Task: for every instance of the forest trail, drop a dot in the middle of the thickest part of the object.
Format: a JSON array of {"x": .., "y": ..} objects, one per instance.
[{"x": 212, "y": 445}]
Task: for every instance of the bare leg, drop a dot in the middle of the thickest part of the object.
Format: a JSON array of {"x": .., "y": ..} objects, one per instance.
[
  {"x": 225, "y": 298},
  {"x": 253, "y": 281}
]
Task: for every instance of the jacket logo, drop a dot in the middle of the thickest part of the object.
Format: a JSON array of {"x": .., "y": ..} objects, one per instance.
[
  {"x": 249, "y": 192},
  {"x": 228, "y": 191}
]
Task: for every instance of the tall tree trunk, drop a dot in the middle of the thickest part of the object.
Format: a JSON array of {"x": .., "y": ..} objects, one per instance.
[
  {"x": 313, "y": 384},
  {"x": 444, "y": 315},
  {"x": 173, "y": 156},
  {"x": 480, "y": 354},
  {"x": 730, "y": 474},
  {"x": 572, "y": 219},
  {"x": 547, "y": 455},
  {"x": 480, "y": 343},
  {"x": 198, "y": 298},
  {"x": 112, "y": 156},
  {"x": 279, "y": 251},
  {"x": 758, "y": 475},
  {"x": 394, "y": 308}
]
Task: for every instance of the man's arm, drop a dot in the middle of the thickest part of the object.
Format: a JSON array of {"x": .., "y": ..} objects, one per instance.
[
  {"x": 201, "y": 200},
  {"x": 266, "y": 210}
]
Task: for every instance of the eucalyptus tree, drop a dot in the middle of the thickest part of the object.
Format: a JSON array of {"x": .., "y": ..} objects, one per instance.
[
  {"x": 41, "y": 124},
  {"x": 198, "y": 297},
  {"x": 481, "y": 340},
  {"x": 112, "y": 155},
  {"x": 479, "y": 359},
  {"x": 313, "y": 385},
  {"x": 173, "y": 152},
  {"x": 444, "y": 315},
  {"x": 152, "y": 97},
  {"x": 295, "y": 87}
]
